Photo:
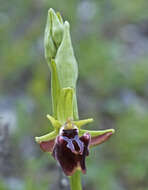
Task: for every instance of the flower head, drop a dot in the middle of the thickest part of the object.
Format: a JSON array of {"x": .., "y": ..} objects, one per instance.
[{"x": 69, "y": 144}]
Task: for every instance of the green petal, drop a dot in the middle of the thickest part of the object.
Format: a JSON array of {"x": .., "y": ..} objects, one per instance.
[
  {"x": 80, "y": 123},
  {"x": 55, "y": 123}
]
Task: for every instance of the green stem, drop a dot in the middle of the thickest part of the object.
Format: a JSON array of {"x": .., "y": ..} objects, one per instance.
[{"x": 75, "y": 181}]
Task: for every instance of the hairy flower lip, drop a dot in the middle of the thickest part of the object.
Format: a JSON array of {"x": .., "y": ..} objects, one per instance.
[{"x": 71, "y": 152}]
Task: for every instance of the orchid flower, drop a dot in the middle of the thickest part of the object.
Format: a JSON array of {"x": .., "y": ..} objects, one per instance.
[{"x": 69, "y": 144}]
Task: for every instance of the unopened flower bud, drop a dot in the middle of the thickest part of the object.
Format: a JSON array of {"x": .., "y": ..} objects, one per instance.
[{"x": 66, "y": 61}]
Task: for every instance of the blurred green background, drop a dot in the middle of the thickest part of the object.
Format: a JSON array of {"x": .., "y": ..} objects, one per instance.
[{"x": 110, "y": 40}]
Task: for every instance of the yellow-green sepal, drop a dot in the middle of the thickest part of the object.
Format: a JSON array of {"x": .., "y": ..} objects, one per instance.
[
  {"x": 47, "y": 137},
  {"x": 94, "y": 133}
]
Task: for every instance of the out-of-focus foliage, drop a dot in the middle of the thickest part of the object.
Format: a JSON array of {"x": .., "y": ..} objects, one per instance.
[{"x": 110, "y": 39}]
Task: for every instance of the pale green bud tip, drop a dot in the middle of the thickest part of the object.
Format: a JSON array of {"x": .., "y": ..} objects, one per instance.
[
  {"x": 113, "y": 131},
  {"x": 66, "y": 24},
  {"x": 51, "y": 11},
  {"x": 37, "y": 139}
]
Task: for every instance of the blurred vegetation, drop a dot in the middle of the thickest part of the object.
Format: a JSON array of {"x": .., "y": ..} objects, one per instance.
[{"x": 110, "y": 39}]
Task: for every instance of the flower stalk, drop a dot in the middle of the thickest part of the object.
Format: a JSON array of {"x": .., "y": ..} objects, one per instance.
[
  {"x": 75, "y": 181},
  {"x": 68, "y": 143}
]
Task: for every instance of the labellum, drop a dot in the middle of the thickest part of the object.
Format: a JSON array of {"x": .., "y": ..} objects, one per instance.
[{"x": 70, "y": 150}]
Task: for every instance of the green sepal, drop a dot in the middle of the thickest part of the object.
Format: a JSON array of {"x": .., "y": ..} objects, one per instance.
[
  {"x": 96, "y": 133},
  {"x": 65, "y": 105},
  {"x": 66, "y": 62},
  {"x": 47, "y": 137}
]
